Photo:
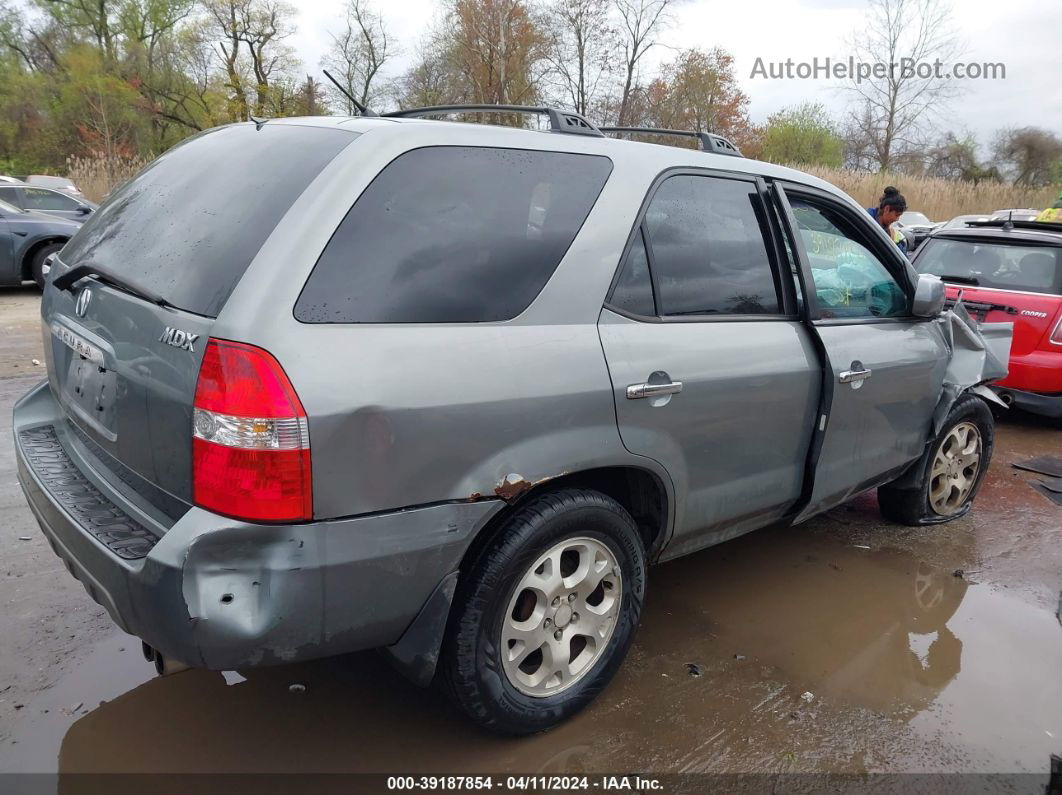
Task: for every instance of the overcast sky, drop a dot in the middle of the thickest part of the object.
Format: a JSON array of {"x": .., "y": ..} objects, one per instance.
[{"x": 1025, "y": 35}]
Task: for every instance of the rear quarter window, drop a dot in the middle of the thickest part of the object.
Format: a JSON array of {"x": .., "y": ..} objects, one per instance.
[
  {"x": 189, "y": 225},
  {"x": 453, "y": 234}
]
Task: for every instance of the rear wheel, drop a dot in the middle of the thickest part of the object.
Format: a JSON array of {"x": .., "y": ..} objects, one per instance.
[
  {"x": 952, "y": 469},
  {"x": 546, "y": 614},
  {"x": 39, "y": 262}
]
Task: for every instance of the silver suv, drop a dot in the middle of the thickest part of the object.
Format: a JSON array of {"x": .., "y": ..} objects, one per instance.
[{"x": 328, "y": 384}]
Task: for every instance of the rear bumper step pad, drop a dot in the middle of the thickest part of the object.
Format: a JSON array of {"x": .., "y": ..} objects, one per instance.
[{"x": 100, "y": 517}]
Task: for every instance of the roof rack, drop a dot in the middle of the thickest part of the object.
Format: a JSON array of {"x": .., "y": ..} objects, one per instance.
[
  {"x": 560, "y": 121},
  {"x": 710, "y": 142},
  {"x": 1006, "y": 223}
]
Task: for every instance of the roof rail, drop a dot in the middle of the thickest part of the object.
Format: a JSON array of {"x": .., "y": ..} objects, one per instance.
[
  {"x": 560, "y": 121},
  {"x": 710, "y": 142}
]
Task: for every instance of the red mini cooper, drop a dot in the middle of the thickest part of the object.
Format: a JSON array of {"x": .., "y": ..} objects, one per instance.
[{"x": 1010, "y": 271}]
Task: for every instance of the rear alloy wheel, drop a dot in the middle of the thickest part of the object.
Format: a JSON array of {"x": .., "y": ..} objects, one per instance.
[
  {"x": 545, "y": 612},
  {"x": 561, "y": 617}
]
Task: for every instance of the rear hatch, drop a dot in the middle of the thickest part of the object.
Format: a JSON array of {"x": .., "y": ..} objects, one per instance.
[
  {"x": 125, "y": 342},
  {"x": 1007, "y": 281}
]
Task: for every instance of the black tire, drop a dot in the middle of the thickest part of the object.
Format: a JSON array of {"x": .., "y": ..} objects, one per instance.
[
  {"x": 911, "y": 506},
  {"x": 471, "y": 669},
  {"x": 37, "y": 263}
]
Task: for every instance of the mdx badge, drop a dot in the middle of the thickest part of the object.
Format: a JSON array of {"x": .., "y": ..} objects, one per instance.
[{"x": 179, "y": 339}]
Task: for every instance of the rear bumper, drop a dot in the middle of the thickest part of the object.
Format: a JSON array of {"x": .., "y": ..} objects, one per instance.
[
  {"x": 217, "y": 593},
  {"x": 1034, "y": 382},
  {"x": 1036, "y": 371},
  {"x": 1033, "y": 402}
]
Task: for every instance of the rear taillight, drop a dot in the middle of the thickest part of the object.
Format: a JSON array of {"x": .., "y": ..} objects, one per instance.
[
  {"x": 251, "y": 441},
  {"x": 1056, "y": 335}
]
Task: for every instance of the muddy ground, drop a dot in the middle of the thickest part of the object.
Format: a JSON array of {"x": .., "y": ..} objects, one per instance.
[{"x": 843, "y": 645}]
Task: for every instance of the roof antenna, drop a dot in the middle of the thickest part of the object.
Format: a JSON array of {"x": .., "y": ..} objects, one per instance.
[
  {"x": 364, "y": 111},
  {"x": 1010, "y": 221}
]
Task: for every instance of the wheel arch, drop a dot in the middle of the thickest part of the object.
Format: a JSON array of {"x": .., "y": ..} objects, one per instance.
[
  {"x": 645, "y": 494},
  {"x": 26, "y": 262}
]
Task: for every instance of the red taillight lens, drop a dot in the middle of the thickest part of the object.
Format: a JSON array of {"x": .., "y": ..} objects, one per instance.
[
  {"x": 251, "y": 441},
  {"x": 1056, "y": 335}
]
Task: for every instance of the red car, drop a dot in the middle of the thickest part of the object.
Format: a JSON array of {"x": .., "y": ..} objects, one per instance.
[{"x": 1010, "y": 272}]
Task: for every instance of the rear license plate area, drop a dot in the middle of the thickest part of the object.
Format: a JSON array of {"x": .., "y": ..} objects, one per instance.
[
  {"x": 90, "y": 391},
  {"x": 89, "y": 388}
]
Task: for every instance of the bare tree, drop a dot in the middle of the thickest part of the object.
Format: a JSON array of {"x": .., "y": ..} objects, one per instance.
[
  {"x": 582, "y": 40},
  {"x": 641, "y": 22},
  {"x": 264, "y": 24},
  {"x": 497, "y": 47},
  {"x": 359, "y": 52},
  {"x": 146, "y": 24},
  {"x": 310, "y": 99},
  {"x": 433, "y": 79},
  {"x": 907, "y": 45},
  {"x": 224, "y": 28}
]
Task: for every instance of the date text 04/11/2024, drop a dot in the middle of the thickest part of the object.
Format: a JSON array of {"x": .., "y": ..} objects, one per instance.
[{"x": 523, "y": 783}]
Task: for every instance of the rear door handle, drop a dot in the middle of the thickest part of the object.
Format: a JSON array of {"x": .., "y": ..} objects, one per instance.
[
  {"x": 638, "y": 391},
  {"x": 853, "y": 376}
]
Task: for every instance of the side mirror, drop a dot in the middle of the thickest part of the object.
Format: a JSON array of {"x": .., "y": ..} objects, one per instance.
[
  {"x": 84, "y": 209},
  {"x": 929, "y": 296}
]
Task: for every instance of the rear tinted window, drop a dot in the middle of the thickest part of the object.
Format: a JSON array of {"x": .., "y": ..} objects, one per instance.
[
  {"x": 1036, "y": 269},
  {"x": 188, "y": 225},
  {"x": 634, "y": 289},
  {"x": 453, "y": 234}
]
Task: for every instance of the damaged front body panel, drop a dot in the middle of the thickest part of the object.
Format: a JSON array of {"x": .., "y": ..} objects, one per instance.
[{"x": 979, "y": 356}]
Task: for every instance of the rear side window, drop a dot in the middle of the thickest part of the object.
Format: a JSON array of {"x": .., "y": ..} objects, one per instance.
[
  {"x": 634, "y": 288},
  {"x": 41, "y": 199},
  {"x": 453, "y": 234},
  {"x": 709, "y": 257},
  {"x": 188, "y": 225}
]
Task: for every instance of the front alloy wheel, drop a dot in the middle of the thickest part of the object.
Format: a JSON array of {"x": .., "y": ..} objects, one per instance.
[
  {"x": 950, "y": 471},
  {"x": 955, "y": 469}
]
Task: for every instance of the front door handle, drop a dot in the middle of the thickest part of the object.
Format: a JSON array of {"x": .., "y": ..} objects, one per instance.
[
  {"x": 637, "y": 391},
  {"x": 854, "y": 376}
]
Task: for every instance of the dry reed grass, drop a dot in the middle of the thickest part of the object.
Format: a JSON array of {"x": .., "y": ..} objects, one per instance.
[
  {"x": 97, "y": 175},
  {"x": 940, "y": 199}
]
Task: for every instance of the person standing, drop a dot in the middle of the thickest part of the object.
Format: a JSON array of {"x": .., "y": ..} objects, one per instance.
[
  {"x": 890, "y": 207},
  {"x": 1052, "y": 214}
]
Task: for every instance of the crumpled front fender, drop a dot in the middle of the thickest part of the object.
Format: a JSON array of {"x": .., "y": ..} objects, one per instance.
[{"x": 979, "y": 355}]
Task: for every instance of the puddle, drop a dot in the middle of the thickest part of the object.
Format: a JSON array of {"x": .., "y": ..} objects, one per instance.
[{"x": 907, "y": 666}]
